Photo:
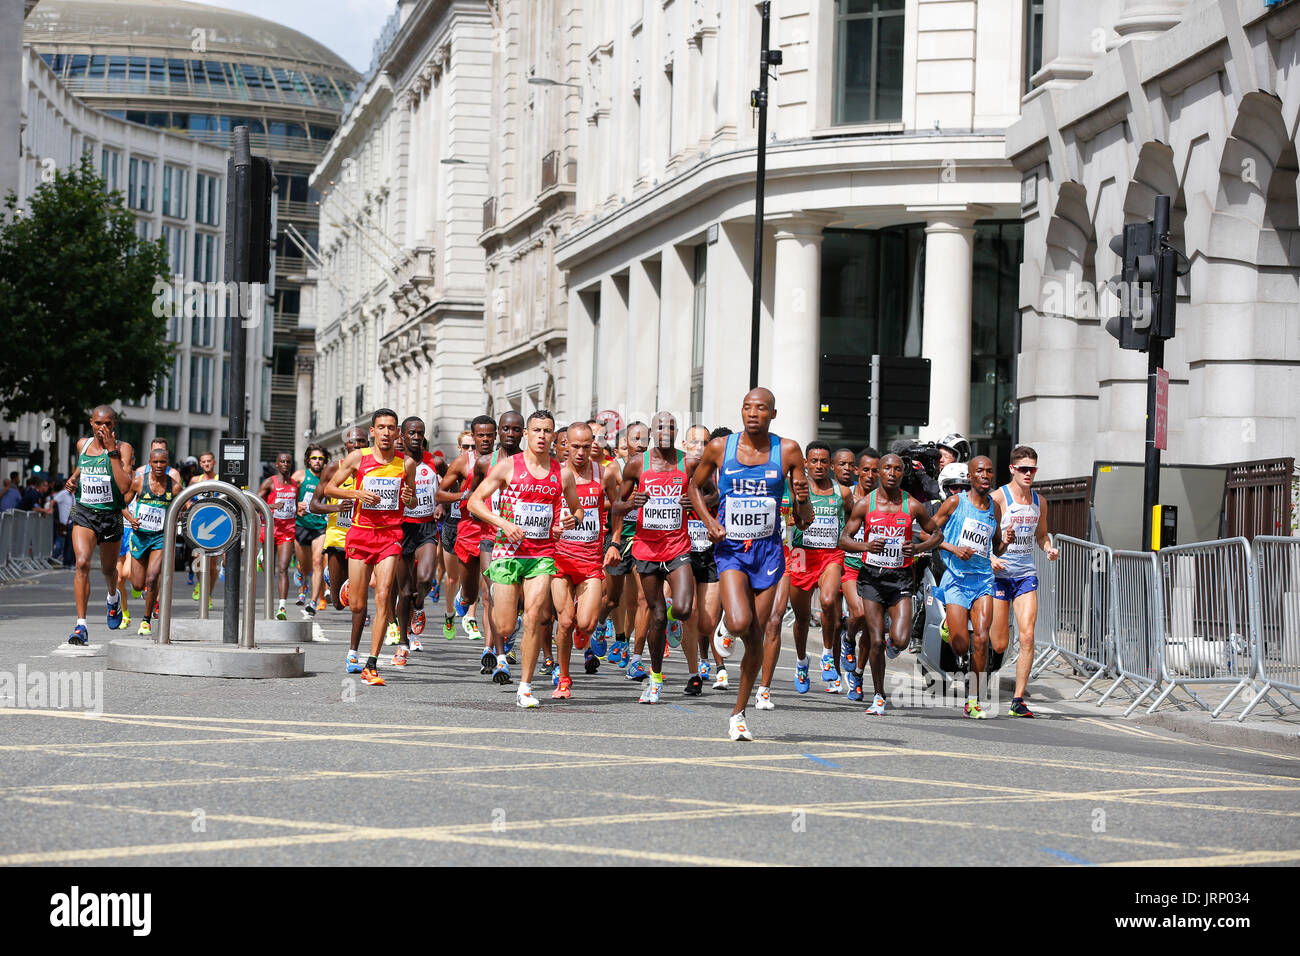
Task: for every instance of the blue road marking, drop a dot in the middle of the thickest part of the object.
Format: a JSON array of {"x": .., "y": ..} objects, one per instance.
[
  {"x": 1067, "y": 857},
  {"x": 820, "y": 760},
  {"x": 680, "y": 707}
]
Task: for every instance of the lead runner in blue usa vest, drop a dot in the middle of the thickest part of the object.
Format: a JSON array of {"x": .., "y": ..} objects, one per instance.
[{"x": 751, "y": 470}]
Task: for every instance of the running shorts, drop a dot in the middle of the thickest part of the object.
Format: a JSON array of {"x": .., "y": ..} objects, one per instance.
[
  {"x": 285, "y": 531},
  {"x": 850, "y": 575},
  {"x": 511, "y": 571},
  {"x": 1008, "y": 589},
  {"x": 105, "y": 522},
  {"x": 578, "y": 570},
  {"x": 338, "y": 552},
  {"x": 304, "y": 536},
  {"x": 416, "y": 535},
  {"x": 763, "y": 563},
  {"x": 370, "y": 546},
  {"x": 704, "y": 566},
  {"x": 885, "y": 588},
  {"x": 142, "y": 544},
  {"x": 662, "y": 567},
  {"x": 625, "y": 563},
  {"x": 807, "y": 564},
  {"x": 449, "y": 534},
  {"x": 967, "y": 591},
  {"x": 468, "y": 534}
]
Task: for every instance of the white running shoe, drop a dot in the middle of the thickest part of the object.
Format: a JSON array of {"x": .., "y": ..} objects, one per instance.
[
  {"x": 721, "y": 682},
  {"x": 651, "y": 693},
  {"x": 737, "y": 729},
  {"x": 526, "y": 700},
  {"x": 724, "y": 642},
  {"x": 472, "y": 630},
  {"x": 763, "y": 699},
  {"x": 877, "y": 708}
]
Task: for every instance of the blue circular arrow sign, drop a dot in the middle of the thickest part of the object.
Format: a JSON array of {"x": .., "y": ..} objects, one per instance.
[{"x": 211, "y": 526}]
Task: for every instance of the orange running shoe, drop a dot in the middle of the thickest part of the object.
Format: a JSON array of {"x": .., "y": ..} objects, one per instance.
[
  {"x": 564, "y": 690},
  {"x": 343, "y": 594},
  {"x": 580, "y": 639},
  {"x": 320, "y": 605},
  {"x": 417, "y": 622},
  {"x": 399, "y": 656},
  {"x": 371, "y": 676}
]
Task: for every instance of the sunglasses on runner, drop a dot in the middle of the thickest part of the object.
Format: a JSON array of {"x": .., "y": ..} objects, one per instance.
[
  {"x": 316, "y": 458},
  {"x": 466, "y": 447},
  {"x": 1025, "y": 469}
]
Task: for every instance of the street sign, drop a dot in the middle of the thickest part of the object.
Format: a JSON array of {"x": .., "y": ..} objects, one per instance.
[
  {"x": 211, "y": 526},
  {"x": 1162, "y": 409},
  {"x": 232, "y": 461},
  {"x": 612, "y": 421}
]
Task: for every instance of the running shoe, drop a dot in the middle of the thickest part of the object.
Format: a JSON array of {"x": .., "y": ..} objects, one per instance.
[
  {"x": 459, "y": 606},
  {"x": 416, "y": 645},
  {"x": 545, "y": 669},
  {"x": 116, "y": 616},
  {"x": 400, "y": 655},
  {"x": 324, "y": 602},
  {"x": 829, "y": 673},
  {"x": 724, "y": 642},
  {"x": 309, "y": 613},
  {"x": 126, "y": 618},
  {"x": 737, "y": 728},
  {"x": 801, "y": 682},
  {"x": 195, "y": 595},
  {"x": 281, "y": 614},
  {"x": 354, "y": 663},
  {"x": 502, "y": 673},
  {"x": 891, "y": 650},
  {"x": 625, "y": 654},
  {"x": 555, "y": 677},
  {"x": 563, "y": 690},
  {"x": 636, "y": 671},
  {"x": 943, "y": 631},
  {"x": 705, "y": 670},
  {"x": 449, "y": 627},
  {"x": 392, "y": 635},
  {"x": 877, "y": 708},
  {"x": 975, "y": 711},
  {"x": 834, "y": 687},
  {"x": 302, "y": 597},
  {"x": 371, "y": 676},
  {"x": 590, "y": 662},
  {"x": 472, "y": 630},
  {"x": 145, "y": 629},
  {"x": 1018, "y": 708},
  {"x": 417, "y": 622},
  {"x": 343, "y": 594},
  {"x": 580, "y": 638},
  {"x": 598, "y": 647},
  {"x": 721, "y": 682},
  {"x": 616, "y": 653},
  {"x": 848, "y": 655},
  {"x": 79, "y": 636},
  {"x": 855, "y": 685},
  {"x": 523, "y": 699},
  {"x": 488, "y": 662},
  {"x": 763, "y": 699},
  {"x": 674, "y": 630},
  {"x": 694, "y": 686},
  {"x": 189, "y": 579},
  {"x": 650, "y": 694},
  {"x": 435, "y": 592},
  {"x": 136, "y": 595}
]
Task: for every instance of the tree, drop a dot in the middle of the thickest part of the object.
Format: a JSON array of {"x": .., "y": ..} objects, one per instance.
[{"x": 77, "y": 315}]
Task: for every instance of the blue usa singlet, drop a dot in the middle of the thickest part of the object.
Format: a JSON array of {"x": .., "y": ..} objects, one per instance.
[{"x": 748, "y": 510}]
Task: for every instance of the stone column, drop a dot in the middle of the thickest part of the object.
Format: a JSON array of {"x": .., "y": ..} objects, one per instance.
[
  {"x": 946, "y": 342},
  {"x": 1144, "y": 19},
  {"x": 796, "y": 324},
  {"x": 642, "y": 355},
  {"x": 676, "y": 312}
]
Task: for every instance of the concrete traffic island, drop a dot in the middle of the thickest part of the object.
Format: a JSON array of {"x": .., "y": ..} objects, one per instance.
[
  {"x": 207, "y": 659},
  {"x": 278, "y": 633}
]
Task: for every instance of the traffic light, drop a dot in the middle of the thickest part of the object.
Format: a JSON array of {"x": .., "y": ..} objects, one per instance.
[
  {"x": 1134, "y": 285},
  {"x": 36, "y": 459},
  {"x": 1171, "y": 264}
]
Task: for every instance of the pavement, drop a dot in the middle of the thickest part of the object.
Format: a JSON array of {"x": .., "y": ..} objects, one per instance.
[{"x": 440, "y": 767}]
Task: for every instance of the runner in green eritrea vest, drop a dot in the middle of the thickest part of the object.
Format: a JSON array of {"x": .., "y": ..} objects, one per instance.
[{"x": 828, "y": 514}]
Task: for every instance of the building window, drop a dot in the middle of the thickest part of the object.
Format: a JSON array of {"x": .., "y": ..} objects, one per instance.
[
  {"x": 200, "y": 441},
  {"x": 868, "y": 61},
  {"x": 201, "y": 385},
  {"x": 169, "y": 388},
  {"x": 699, "y": 274},
  {"x": 594, "y": 311},
  {"x": 207, "y": 192},
  {"x": 142, "y": 229},
  {"x": 174, "y": 236},
  {"x": 201, "y": 327},
  {"x": 139, "y": 190},
  {"x": 205, "y": 257},
  {"x": 174, "y": 184},
  {"x": 110, "y": 162},
  {"x": 1033, "y": 40},
  {"x": 266, "y": 394}
]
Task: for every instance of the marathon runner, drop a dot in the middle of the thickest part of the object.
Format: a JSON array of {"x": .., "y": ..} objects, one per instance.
[
  {"x": 885, "y": 581},
  {"x": 532, "y": 489},
  {"x": 453, "y": 490},
  {"x": 752, "y": 469},
  {"x": 384, "y": 487},
  {"x": 1015, "y": 581},
  {"x": 970, "y": 523},
  {"x": 708, "y": 598},
  {"x": 125, "y": 563},
  {"x": 661, "y": 548},
  {"x": 624, "y": 603},
  {"x": 309, "y": 530},
  {"x": 151, "y": 494},
  {"x": 844, "y": 466},
  {"x": 579, "y": 575},
  {"x": 207, "y": 472},
  {"x": 414, "y": 576},
  {"x": 510, "y": 432},
  {"x": 868, "y": 477},
  {"x": 338, "y": 519},
  {"x": 100, "y": 482},
  {"x": 281, "y": 492}
]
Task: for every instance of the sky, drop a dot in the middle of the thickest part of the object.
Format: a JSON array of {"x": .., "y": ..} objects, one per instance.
[{"x": 349, "y": 28}]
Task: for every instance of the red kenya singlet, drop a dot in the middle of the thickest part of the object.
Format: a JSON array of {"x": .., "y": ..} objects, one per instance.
[{"x": 661, "y": 532}]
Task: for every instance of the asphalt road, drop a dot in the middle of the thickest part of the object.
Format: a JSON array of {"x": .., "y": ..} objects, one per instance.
[{"x": 440, "y": 767}]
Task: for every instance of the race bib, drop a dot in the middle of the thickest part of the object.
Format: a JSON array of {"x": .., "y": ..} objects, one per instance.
[
  {"x": 975, "y": 535},
  {"x": 151, "y": 518},
  {"x": 699, "y": 535},
  {"x": 536, "y": 518},
  {"x": 286, "y": 507},
  {"x": 891, "y": 557},
  {"x": 749, "y": 519},
  {"x": 586, "y": 532},
  {"x": 388, "y": 487},
  {"x": 455, "y": 510},
  {"x": 661, "y": 514},
  {"x": 822, "y": 533},
  {"x": 1025, "y": 528},
  {"x": 423, "y": 506},
  {"x": 96, "y": 489},
  {"x": 344, "y": 518}
]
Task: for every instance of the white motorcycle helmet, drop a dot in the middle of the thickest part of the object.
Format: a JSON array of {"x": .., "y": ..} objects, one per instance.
[
  {"x": 952, "y": 477},
  {"x": 957, "y": 444}
]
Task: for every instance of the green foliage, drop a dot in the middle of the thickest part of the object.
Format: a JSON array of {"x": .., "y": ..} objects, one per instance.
[{"x": 77, "y": 301}]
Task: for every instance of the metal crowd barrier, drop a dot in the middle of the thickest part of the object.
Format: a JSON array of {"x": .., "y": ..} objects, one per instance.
[
  {"x": 1208, "y": 635},
  {"x": 1078, "y": 623},
  {"x": 1137, "y": 624},
  {"x": 1045, "y": 622},
  {"x": 6, "y": 546},
  {"x": 1276, "y": 603}
]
